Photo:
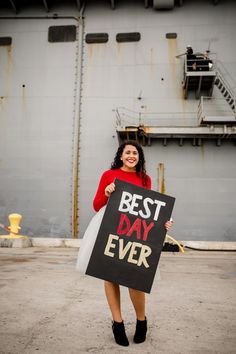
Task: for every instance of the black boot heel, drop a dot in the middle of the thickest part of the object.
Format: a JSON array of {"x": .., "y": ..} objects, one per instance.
[
  {"x": 141, "y": 330},
  {"x": 118, "y": 329}
]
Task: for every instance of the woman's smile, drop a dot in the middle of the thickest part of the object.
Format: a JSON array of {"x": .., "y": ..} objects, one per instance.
[{"x": 130, "y": 158}]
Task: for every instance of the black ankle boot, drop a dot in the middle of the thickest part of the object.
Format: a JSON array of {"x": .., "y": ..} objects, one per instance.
[
  {"x": 141, "y": 330},
  {"x": 119, "y": 333}
]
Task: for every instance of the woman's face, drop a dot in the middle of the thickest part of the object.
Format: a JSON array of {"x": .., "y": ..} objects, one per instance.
[{"x": 130, "y": 158}]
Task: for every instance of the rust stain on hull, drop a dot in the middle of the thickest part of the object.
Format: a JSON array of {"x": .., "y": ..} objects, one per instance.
[
  {"x": 172, "y": 52},
  {"x": 161, "y": 179}
]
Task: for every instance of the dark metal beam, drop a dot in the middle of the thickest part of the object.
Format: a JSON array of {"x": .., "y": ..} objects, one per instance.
[
  {"x": 113, "y": 4},
  {"x": 13, "y": 5},
  {"x": 78, "y": 4},
  {"x": 163, "y": 4},
  {"x": 46, "y": 5},
  {"x": 199, "y": 87},
  {"x": 39, "y": 17}
]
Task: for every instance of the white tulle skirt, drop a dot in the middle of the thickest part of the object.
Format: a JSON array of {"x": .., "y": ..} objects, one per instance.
[{"x": 88, "y": 241}]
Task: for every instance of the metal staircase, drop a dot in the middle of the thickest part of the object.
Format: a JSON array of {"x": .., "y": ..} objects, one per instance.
[
  {"x": 225, "y": 89},
  {"x": 201, "y": 79},
  {"x": 214, "y": 119},
  {"x": 214, "y": 110}
]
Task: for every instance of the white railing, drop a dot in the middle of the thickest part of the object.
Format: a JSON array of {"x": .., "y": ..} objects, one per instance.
[
  {"x": 227, "y": 78},
  {"x": 198, "y": 62},
  {"x": 213, "y": 107},
  {"x": 128, "y": 117}
]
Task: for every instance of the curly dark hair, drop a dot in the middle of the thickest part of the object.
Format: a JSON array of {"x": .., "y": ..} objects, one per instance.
[{"x": 140, "y": 167}]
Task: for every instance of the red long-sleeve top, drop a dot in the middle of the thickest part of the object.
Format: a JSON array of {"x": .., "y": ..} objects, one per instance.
[{"x": 108, "y": 177}]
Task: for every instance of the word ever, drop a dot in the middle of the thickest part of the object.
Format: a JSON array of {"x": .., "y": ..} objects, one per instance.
[{"x": 130, "y": 248}]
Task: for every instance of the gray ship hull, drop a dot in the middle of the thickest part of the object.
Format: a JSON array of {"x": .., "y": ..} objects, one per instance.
[{"x": 66, "y": 103}]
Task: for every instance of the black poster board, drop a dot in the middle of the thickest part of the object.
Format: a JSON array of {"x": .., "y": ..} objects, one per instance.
[{"x": 131, "y": 236}]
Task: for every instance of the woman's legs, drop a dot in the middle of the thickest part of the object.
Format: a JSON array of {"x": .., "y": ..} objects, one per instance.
[
  {"x": 112, "y": 291},
  {"x": 138, "y": 299}
]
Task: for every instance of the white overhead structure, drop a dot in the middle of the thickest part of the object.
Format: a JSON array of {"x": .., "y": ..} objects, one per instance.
[{"x": 163, "y": 4}]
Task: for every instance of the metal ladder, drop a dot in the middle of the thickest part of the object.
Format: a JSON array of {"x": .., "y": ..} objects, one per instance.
[{"x": 225, "y": 89}]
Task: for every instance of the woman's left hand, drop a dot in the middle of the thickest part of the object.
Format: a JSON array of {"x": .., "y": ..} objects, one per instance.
[{"x": 169, "y": 224}]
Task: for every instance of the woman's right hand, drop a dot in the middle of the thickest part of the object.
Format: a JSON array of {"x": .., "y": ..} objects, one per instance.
[{"x": 109, "y": 189}]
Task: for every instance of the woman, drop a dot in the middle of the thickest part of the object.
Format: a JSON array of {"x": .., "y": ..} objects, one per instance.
[{"x": 129, "y": 166}]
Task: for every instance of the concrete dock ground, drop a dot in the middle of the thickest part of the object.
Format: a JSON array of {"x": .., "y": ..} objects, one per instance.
[{"x": 47, "y": 307}]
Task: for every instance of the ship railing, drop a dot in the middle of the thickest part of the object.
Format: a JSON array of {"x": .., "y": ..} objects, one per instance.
[
  {"x": 198, "y": 63},
  {"x": 127, "y": 117},
  {"x": 214, "y": 110},
  {"x": 223, "y": 72}
]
